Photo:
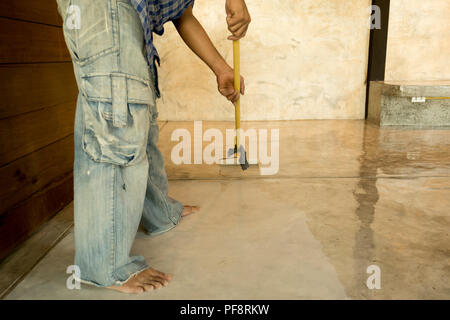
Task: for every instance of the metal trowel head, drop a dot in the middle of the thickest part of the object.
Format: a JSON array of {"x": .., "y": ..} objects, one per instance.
[{"x": 237, "y": 157}]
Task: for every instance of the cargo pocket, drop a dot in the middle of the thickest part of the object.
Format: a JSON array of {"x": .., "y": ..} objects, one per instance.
[{"x": 117, "y": 117}]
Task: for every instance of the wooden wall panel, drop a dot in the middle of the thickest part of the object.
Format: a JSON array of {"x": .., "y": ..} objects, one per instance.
[
  {"x": 28, "y": 87},
  {"x": 21, "y": 221},
  {"x": 43, "y": 11},
  {"x": 37, "y": 107},
  {"x": 25, "y": 42},
  {"x": 26, "y": 133},
  {"x": 29, "y": 174}
]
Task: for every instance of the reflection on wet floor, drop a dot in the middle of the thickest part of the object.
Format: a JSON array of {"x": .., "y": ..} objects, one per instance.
[
  {"x": 347, "y": 195},
  {"x": 366, "y": 195}
]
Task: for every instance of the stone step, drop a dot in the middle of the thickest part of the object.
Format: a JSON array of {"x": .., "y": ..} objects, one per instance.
[{"x": 391, "y": 103}]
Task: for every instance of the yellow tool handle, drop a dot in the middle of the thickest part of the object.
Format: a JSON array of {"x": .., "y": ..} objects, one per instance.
[{"x": 237, "y": 86}]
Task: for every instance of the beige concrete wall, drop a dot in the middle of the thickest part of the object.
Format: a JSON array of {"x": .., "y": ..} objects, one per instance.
[
  {"x": 302, "y": 59},
  {"x": 419, "y": 40}
]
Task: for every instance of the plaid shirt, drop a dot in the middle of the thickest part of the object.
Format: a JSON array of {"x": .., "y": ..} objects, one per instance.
[{"x": 153, "y": 15}]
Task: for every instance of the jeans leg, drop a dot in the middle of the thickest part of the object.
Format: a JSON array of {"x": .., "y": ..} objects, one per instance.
[
  {"x": 111, "y": 131},
  {"x": 108, "y": 207},
  {"x": 161, "y": 213}
]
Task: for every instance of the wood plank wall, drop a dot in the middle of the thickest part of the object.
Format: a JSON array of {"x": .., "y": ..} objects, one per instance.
[{"x": 37, "y": 107}]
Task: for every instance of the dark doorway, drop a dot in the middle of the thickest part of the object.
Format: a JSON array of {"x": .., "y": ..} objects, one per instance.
[{"x": 378, "y": 46}]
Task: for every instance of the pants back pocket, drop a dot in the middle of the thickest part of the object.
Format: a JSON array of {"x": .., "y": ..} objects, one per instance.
[{"x": 96, "y": 32}]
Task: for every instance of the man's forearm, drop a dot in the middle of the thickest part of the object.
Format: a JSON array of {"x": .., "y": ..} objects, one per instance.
[{"x": 198, "y": 41}]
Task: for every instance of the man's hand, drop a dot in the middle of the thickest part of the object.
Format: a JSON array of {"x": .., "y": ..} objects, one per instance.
[
  {"x": 225, "y": 83},
  {"x": 238, "y": 18}
]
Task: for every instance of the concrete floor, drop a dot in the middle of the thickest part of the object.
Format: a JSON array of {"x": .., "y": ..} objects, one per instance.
[{"x": 347, "y": 195}]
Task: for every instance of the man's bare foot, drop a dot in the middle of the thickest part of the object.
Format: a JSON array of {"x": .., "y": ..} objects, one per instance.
[
  {"x": 189, "y": 210},
  {"x": 147, "y": 280}
]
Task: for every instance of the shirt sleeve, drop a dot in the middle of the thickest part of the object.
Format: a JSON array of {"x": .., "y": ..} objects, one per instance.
[{"x": 167, "y": 10}]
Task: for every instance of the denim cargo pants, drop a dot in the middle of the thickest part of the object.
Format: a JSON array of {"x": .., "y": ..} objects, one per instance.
[{"x": 119, "y": 176}]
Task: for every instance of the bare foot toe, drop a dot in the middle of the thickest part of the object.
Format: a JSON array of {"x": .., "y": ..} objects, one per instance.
[
  {"x": 148, "y": 287},
  {"x": 189, "y": 210},
  {"x": 156, "y": 285}
]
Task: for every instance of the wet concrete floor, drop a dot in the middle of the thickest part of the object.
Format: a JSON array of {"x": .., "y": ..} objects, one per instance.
[{"x": 347, "y": 197}]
